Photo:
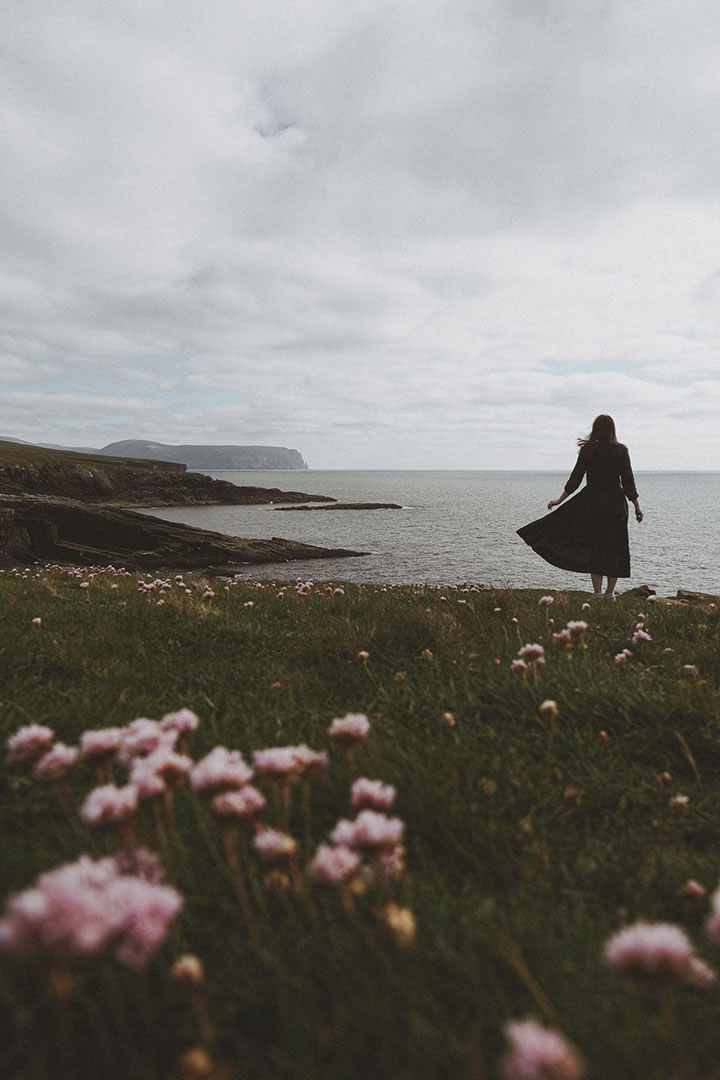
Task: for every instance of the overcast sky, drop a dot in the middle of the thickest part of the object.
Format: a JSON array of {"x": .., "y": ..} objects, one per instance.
[{"x": 387, "y": 233}]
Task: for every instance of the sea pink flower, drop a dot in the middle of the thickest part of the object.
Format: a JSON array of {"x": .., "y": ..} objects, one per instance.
[
  {"x": 208, "y": 594},
  {"x": 577, "y": 628},
  {"x": 310, "y": 761},
  {"x": 162, "y": 762},
  {"x": 532, "y": 654},
  {"x": 273, "y": 845},
  {"x": 29, "y": 742},
  {"x": 699, "y": 974},
  {"x": 639, "y": 636},
  {"x": 56, "y": 764},
  {"x": 182, "y": 721},
  {"x": 519, "y": 665},
  {"x": 712, "y": 926},
  {"x": 546, "y": 601},
  {"x": 277, "y": 763},
  {"x": 220, "y": 770},
  {"x": 693, "y": 889},
  {"x": 621, "y": 658},
  {"x": 539, "y": 1053},
  {"x": 371, "y": 794},
  {"x": 689, "y": 671},
  {"x": 100, "y": 743},
  {"x": 333, "y": 866},
  {"x": 650, "y": 950},
  {"x": 349, "y": 729},
  {"x": 84, "y": 908},
  {"x": 142, "y": 737},
  {"x": 369, "y": 830},
  {"x": 37, "y": 622},
  {"x": 244, "y": 804},
  {"x": 109, "y": 804},
  {"x": 562, "y": 638},
  {"x": 339, "y": 591}
]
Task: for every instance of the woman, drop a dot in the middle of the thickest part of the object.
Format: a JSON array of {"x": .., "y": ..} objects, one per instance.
[{"x": 589, "y": 534}]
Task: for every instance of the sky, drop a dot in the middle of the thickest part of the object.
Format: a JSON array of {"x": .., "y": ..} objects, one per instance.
[{"x": 386, "y": 233}]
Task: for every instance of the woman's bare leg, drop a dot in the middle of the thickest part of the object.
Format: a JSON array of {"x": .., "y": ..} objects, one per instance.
[
  {"x": 611, "y": 583},
  {"x": 597, "y": 583}
]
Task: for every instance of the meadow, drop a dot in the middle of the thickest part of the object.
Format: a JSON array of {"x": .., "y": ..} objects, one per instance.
[{"x": 545, "y": 800}]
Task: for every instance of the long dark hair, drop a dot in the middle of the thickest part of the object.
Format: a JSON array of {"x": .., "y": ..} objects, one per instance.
[{"x": 602, "y": 435}]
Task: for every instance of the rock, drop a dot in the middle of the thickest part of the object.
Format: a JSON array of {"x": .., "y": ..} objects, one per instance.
[
  {"x": 698, "y": 597},
  {"x": 346, "y": 506},
  {"x": 640, "y": 590},
  {"x": 39, "y": 527}
]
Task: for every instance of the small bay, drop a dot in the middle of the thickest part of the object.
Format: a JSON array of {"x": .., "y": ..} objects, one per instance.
[{"x": 458, "y": 526}]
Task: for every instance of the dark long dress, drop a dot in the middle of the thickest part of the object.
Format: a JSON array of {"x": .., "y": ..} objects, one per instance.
[{"x": 588, "y": 533}]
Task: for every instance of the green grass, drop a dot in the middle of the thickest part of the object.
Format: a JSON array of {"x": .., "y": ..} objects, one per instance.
[{"x": 526, "y": 848}]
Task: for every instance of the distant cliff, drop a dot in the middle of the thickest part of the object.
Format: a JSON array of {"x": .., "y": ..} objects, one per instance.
[{"x": 212, "y": 458}]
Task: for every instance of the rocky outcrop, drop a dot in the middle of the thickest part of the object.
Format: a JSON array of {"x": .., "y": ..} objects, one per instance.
[
  {"x": 214, "y": 458},
  {"x": 346, "y": 506},
  {"x": 35, "y": 527},
  {"x": 129, "y": 485}
]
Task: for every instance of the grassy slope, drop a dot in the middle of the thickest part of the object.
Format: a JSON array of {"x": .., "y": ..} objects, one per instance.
[
  {"x": 525, "y": 850},
  {"x": 21, "y": 454}
]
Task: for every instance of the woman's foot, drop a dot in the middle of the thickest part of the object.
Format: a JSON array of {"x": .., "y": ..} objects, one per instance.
[{"x": 609, "y": 596}]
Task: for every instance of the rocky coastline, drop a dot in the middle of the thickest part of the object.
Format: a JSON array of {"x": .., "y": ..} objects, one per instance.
[
  {"x": 53, "y": 529},
  {"x": 61, "y": 506}
]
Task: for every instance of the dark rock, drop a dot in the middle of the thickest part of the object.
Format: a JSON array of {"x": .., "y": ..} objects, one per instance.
[
  {"x": 698, "y": 597},
  {"x": 66, "y": 530},
  {"x": 346, "y": 506}
]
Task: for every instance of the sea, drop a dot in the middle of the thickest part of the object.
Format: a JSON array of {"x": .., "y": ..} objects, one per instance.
[{"x": 456, "y": 527}]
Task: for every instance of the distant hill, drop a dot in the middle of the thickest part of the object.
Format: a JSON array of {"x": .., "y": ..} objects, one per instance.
[
  {"x": 209, "y": 457},
  {"x": 202, "y": 458}
]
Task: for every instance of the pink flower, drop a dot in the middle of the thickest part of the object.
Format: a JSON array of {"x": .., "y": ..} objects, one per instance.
[
  {"x": 699, "y": 974},
  {"x": 162, "y": 762},
  {"x": 100, "y": 743},
  {"x": 647, "y": 950},
  {"x": 539, "y": 1053},
  {"x": 333, "y": 866},
  {"x": 577, "y": 629},
  {"x": 208, "y": 594},
  {"x": 689, "y": 671},
  {"x": 693, "y": 889},
  {"x": 712, "y": 926},
  {"x": 142, "y": 737},
  {"x": 273, "y": 845},
  {"x": 220, "y": 770},
  {"x": 639, "y": 636},
  {"x": 372, "y": 794},
  {"x": 519, "y": 665},
  {"x": 369, "y": 830},
  {"x": 29, "y": 742},
  {"x": 241, "y": 805},
  {"x": 108, "y": 804},
  {"x": 182, "y": 721},
  {"x": 349, "y": 729},
  {"x": 310, "y": 761},
  {"x": 339, "y": 591},
  {"x": 532, "y": 654},
  {"x": 86, "y": 908},
  {"x": 546, "y": 601},
  {"x": 56, "y": 764},
  {"x": 278, "y": 763},
  {"x": 37, "y": 622},
  {"x": 562, "y": 638}
]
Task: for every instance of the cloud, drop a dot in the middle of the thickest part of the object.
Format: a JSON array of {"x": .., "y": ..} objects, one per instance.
[{"x": 433, "y": 233}]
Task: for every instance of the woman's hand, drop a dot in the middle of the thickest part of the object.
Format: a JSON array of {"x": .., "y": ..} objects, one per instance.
[
  {"x": 553, "y": 502},
  {"x": 638, "y": 515}
]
